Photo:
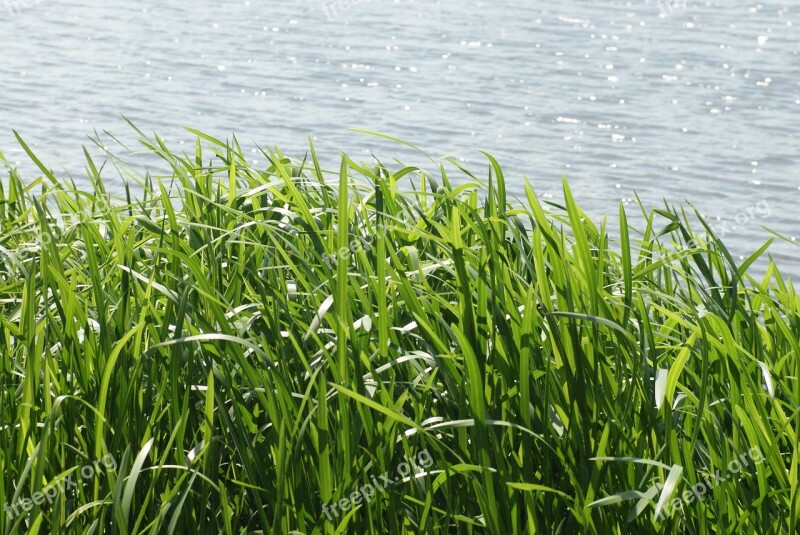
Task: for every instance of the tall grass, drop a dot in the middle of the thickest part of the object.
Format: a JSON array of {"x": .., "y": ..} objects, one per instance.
[{"x": 250, "y": 345}]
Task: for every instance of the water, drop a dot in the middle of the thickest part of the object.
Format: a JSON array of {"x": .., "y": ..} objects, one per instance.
[{"x": 668, "y": 100}]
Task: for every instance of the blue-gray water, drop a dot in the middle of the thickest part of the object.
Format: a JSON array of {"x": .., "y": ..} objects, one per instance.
[{"x": 684, "y": 101}]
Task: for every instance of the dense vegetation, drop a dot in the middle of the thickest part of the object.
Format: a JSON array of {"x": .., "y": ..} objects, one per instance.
[{"x": 237, "y": 349}]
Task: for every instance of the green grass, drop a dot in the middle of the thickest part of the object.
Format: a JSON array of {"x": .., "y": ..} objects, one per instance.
[{"x": 249, "y": 344}]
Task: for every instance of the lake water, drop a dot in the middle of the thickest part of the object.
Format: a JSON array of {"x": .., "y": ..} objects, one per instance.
[{"x": 668, "y": 100}]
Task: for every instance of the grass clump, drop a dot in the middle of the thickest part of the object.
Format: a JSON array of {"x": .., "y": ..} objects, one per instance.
[{"x": 243, "y": 350}]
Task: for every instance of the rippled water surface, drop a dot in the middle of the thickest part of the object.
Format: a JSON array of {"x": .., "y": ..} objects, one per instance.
[{"x": 677, "y": 100}]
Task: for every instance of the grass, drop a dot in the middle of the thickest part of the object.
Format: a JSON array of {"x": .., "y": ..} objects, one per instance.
[{"x": 235, "y": 348}]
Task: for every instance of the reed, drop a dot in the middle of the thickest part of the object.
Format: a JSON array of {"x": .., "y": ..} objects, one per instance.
[{"x": 240, "y": 349}]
